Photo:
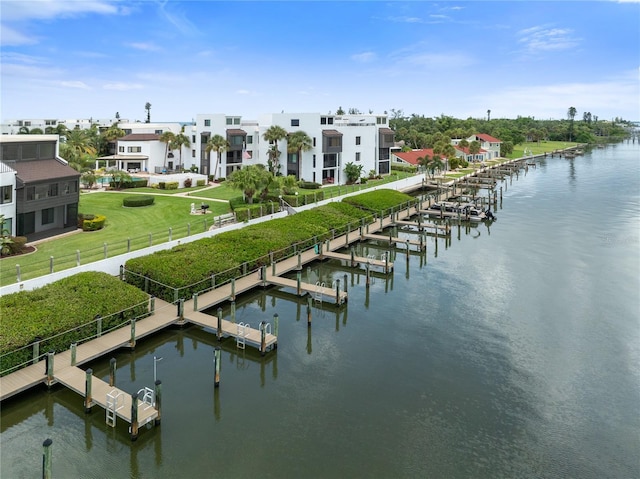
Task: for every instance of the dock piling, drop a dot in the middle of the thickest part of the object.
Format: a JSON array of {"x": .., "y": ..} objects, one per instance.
[
  {"x": 134, "y": 417},
  {"x": 74, "y": 349},
  {"x": 309, "y": 311},
  {"x": 195, "y": 301},
  {"x": 276, "y": 319},
  {"x": 132, "y": 340},
  {"x": 158, "y": 401},
  {"x": 87, "y": 391},
  {"x": 337, "y": 291},
  {"x": 263, "y": 338},
  {"x": 112, "y": 372},
  {"x": 233, "y": 311},
  {"x": 219, "y": 329},
  {"x": 46, "y": 459},
  {"x": 217, "y": 356},
  {"x": 49, "y": 363}
]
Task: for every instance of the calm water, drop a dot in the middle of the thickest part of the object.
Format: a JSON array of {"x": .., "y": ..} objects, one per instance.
[{"x": 512, "y": 352}]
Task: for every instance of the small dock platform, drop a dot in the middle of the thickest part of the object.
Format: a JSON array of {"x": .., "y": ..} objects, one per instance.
[
  {"x": 339, "y": 297},
  {"x": 441, "y": 229},
  {"x": 395, "y": 240},
  {"x": 242, "y": 332},
  {"x": 386, "y": 265}
]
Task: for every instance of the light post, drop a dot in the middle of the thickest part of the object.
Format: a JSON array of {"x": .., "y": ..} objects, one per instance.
[
  {"x": 297, "y": 199},
  {"x": 155, "y": 368}
]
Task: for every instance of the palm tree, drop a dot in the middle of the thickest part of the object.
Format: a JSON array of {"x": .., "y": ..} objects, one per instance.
[
  {"x": 178, "y": 142},
  {"x": 249, "y": 180},
  {"x": 298, "y": 142},
  {"x": 273, "y": 135},
  {"x": 112, "y": 134},
  {"x": 147, "y": 107},
  {"x": 219, "y": 144},
  {"x": 36, "y": 131},
  {"x": 167, "y": 138},
  {"x": 571, "y": 114},
  {"x": 435, "y": 164},
  {"x": 23, "y": 130},
  {"x": 80, "y": 142}
]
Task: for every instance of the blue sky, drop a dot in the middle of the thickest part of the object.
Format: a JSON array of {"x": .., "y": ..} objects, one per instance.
[{"x": 90, "y": 58}]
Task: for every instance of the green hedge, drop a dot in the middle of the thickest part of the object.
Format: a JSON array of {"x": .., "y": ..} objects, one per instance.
[
  {"x": 138, "y": 200},
  {"x": 61, "y": 306},
  {"x": 248, "y": 212},
  {"x": 200, "y": 182},
  {"x": 172, "y": 185},
  {"x": 309, "y": 185},
  {"x": 189, "y": 267},
  {"x": 94, "y": 224},
  {"x": 380, "y": 200}
]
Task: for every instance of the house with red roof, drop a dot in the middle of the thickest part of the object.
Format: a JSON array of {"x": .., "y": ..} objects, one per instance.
[{"x": 412, "y": 158}]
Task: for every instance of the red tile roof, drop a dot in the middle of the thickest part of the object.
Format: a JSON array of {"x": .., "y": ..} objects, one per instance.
[
  {"x": 487, "y": 138},
  {"x": 413, "y": 155},
  {"x": 466, "y": 150}
]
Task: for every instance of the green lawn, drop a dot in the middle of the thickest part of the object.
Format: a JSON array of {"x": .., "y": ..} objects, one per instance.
[
  {"x": 538, "y": 148},
  {"x": 125, "y": 228}
]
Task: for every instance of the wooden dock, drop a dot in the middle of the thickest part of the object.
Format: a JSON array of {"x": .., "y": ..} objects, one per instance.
[
  {"x": 316, "y": 290},
  {"x": 242, "y": 332},
  {"x": 392, "y": 240},
  {"x": 441, "y": 229},
  {"x": 386, "y": 265}
]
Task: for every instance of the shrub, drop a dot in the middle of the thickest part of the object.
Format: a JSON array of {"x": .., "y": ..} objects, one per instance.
[
  {"x": 17, "y": 245},
  {"x": 187, "y": 182},
  {"x": 309, "y": 185},
  {"x": 139, "y": 183},
  {"x": 82, "y": 217},
  {"x": 60, "y": 306},
  {"x": 162, "y": 185},
  {"x": 247, "y": 212},
  {"x": 379, "y": 200},
  {"x": 138, "y": 200},
  {"x": 155, "y": 186},
  {"x": 95, "y": 224},
  {"x": 200, "y": 182},
  {"x": 172, "y": 185}
]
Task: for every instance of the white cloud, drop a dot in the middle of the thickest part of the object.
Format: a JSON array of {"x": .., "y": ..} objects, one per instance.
[
  {"x": 364, "y": 57},
  {"x": 144, "y": 46},
  {"x": 20, "y": 10},
  {"x": 122, "y": 86},
  {"x": 544, "y": 38},
  {"x": 12, "y": 37},
  {"x": 75, "y": 84}
]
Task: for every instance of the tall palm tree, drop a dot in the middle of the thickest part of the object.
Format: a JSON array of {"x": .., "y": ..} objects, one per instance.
[
  {"x": 571, "y": 114},
  {"x": 178, "y": 142},
  {"x": 219, "y": 144},
  {"x": 147, "y": 107},
  {"x": 167, "y": 138},
  {"x": 273, "y": 135},
  {"x": 111, "y": 136},
  {"x": 298, "y": 142},
  {"x": 80, "y": 142}
]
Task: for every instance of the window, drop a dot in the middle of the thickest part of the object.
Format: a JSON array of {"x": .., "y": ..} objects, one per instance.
[
  {"x": 193, "y": 153},
  {"x": 314, "y": 141},
  {"x": 8, "y": 224},
  {"x": 236, "y": 121},
  {"x": 249, "y": 155},
  {"x": 326, "y": 120},
  {"x": 47, "y": 216},
  {"x": 229, "y": 121},
  {"x": 334, "y": 141},
  {"x": 314, "y": 161},
  {"x": 295, "y": 122},
  {"x": 193, "y": 138},
  {"x": 158, "y": 132},
  {"x": 134, "y": 149},
  {"x": 6, "y": 194},
  {"x": 207, "y": 123},
  {"x": 357, "y": 156},
  {"x": 127, "y": 131},
  {"x": 381, "y": 120},
  {"x": 121, "y": 149},
  {"x": 53, "y": 190},
  {"x": 357, "y": 140},
  {"x": 31, "y": 193},
  {"x": 249, "y": 140}
]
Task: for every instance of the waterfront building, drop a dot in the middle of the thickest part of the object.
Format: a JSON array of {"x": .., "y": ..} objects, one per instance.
[{"x": 46, "y": 187}]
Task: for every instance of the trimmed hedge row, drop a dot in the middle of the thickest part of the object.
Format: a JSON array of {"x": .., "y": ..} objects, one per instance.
[
  {"x": 138, "y": 200},
  {"x": 61, "y": 306},
  {"x": 189, "y": 267},
  {"x": 379, "y": 200}
]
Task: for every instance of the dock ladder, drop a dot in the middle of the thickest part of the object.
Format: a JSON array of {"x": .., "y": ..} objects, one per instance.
[
  {"x": 147, "y": 397},
  {"x": 317, "y": 296},
  {"x": 115, "y": 402},
  {"x": 243, "y": 330}
]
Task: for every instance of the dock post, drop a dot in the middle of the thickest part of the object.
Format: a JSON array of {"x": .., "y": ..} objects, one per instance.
[
  {"x": 181, "y": 309},
  {"x": 74, "y": 349},
  {"x": 299, "y": 260},
  {"x": 381, "y": 218},
  {"x": 134, "y": 417},
  {"x": 276, "y": 319},
  {"x": 157, "y": 395},
  {"x": 233, "y": 311},
  {"x": 87, "y": 390},
  {"x": 112, "y": 372},
  {"x": 98, "y": 325},
  {"x": 50, "y": 356},
  {"x": 36, "y": 351},
  {"x": 345, "y": 282},
  {"x": 386, "y": 264},
  {"x": 337, "y": 291},
  {"x": 263, "y": 275},
  {"x": 219, "y": 330},
  {"x": 233, "y": 289},
  {"x": 353, "y": 257},
  {"x": 273, "y": 268},
  {"x": 217, "y": 352},
  {"x": 501, "y": 193},
  {"x": 309, "y": 299},
  {"x": 263, "y": 338},
  {"x": 132, "y": 341},
  {"x": 298, "y": 282},
  {"x": 46, "y": 459},
  {"x": 195, "y": 301},
  {"x": 152, "y": 306},
  {"x": 213, "y": 281}
]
